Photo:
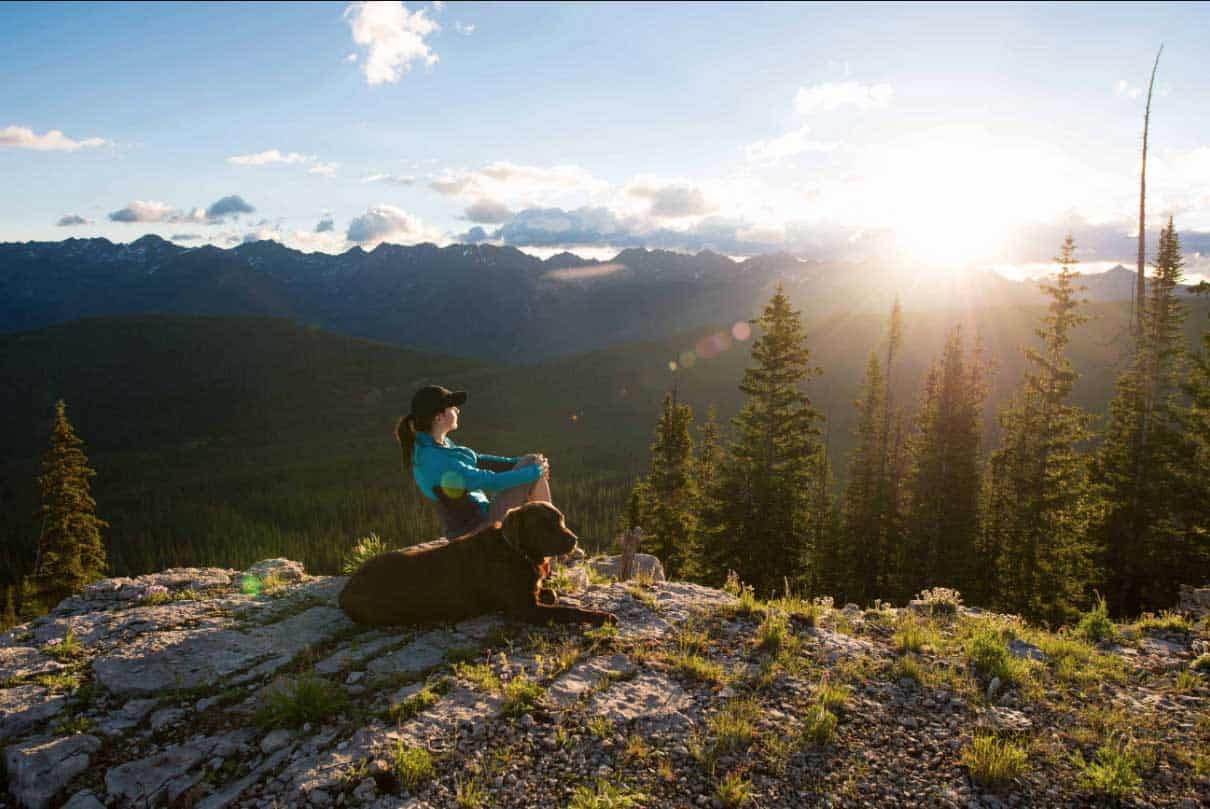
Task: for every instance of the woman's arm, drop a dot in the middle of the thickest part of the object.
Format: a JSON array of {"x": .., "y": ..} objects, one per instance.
[{"x": 455, "y": 474}]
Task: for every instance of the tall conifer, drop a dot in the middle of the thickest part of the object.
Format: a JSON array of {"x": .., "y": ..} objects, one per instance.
[
  {"x": 944, "y": 486},
  {"x": 1139, "y": 463},
  {"x": 757, "y": 518},
  {"x": 70, "y": 551},
  {"x": 1195, "y": 474},
  {"x": 671, "y": 491},
  {"x": 1039, "y": 501}
]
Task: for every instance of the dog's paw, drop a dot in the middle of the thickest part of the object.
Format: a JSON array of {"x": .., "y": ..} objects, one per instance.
[{"x": 547, "y": 596}]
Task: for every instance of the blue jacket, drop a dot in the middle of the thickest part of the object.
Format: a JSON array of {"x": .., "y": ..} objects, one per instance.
[{"x": 459, "y": 471}]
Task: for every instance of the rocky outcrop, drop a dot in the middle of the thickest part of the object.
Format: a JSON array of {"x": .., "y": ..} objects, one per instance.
[{"x": 219, "y": 688}]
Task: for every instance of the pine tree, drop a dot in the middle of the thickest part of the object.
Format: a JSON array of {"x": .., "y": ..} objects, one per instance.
[
  {"x": 671, "y": 489},
  {"x": 825, "y": 534},
  {"x": 757, "y": 517},
  {"x": 1040, "y": 504},
  {"x": 709, "y": 453},
  {"x": 9, "y": 618},
  {"x": 944, "y": 488},
  {"x": 1139, "y": 463},
  {"x": 1195, "y": 474},
  {"x": 70, "y": 551}
]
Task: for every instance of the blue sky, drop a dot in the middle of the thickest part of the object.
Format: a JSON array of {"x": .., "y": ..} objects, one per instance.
[{"x": 939, "y": 133}]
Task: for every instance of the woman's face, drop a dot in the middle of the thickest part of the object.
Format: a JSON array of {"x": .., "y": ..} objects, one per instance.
[{"x": 447, "y": 419}]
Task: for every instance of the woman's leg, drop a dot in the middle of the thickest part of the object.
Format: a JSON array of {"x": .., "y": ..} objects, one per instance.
[{"x": 506, "y": 499}]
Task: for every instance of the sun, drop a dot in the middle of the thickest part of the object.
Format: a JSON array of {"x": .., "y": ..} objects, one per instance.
[{"x": 951, "y": 195}]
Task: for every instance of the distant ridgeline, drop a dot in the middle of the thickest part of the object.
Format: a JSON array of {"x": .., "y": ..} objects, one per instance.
[{"x": 236, "y": 424}]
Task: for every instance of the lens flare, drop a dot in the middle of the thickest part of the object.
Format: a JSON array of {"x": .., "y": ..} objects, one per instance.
[
  {"x": 741, "y": 331},
  {"x": 249, "y": 585},
  {"x": 687, "y": 359},
  {"x": 452, "y": 484},
  {"x": 672, "y": 366}
]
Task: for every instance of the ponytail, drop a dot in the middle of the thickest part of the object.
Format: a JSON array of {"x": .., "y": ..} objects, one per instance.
[{"x": 405, "y": 433}]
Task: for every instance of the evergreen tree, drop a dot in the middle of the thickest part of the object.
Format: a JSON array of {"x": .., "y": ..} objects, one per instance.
[
  {"x": 825, "y": 534},
  {"x": 757, "y": 518},
  {"x": 1195, "y": 474},
  {"x": 709, "y": 454},
  {"x": 671, "y": 493},
  {"x": 1040, "y": 504},
  {"x": 70, "y": 552},
  {"x": 1139, "y": 463},
  {"x": 944, "y": 488},
  {"x": 9, "y": 619}
]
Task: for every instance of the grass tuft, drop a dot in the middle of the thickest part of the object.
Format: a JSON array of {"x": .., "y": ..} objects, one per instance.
[
  {"x": 992, "y": 761},
  {"x": 413, "y": 765},
  {"x": 304, "y": 699}
]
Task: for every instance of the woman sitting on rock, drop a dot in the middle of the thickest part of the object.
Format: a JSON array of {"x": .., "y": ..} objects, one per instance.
[{"x": 457, "y": 478}]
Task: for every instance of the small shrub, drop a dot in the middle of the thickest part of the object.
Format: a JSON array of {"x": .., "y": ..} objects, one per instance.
[
  {"x": 606, "y": 796},
  {"x": 733, "y": 790},
  {"x": 1166, "y": 621},
  {"x": 478, "y": 674},
  {"x": 988, "y": 653},
  {"x": 993, "y": 762},
  {"x": 941, "y": 600},
  {"x": 1094, "y": 626},
  {"x": 520, "y": 696},
  {"x": 365, "y": 548},
  {"x": 413, "y": 765},
  {"x": 600, "y": 726},
  {"x": 66, "y": 650},
  {"x": 1112, "y": 771},
  {"x": 773, "y": 632},
  {"x": 154, "y": 594},
  {"x": 73, "y": 723},
  {"x": 818, "y": 726},
  {"x": 469, "y": 793},
  {"x": 305, "y": 699},
  {"x": 833, "y": 697},
  {"x": 636, "y": 749},
  {"x": 406, "y": 709},
  {"x": 1186, "y": 681}
]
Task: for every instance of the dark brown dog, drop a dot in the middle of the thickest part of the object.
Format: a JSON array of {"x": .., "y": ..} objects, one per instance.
[{"x": 499, "y": 567}]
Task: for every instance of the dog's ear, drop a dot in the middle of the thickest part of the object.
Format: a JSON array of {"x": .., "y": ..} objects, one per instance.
[{"x": 510, "y": 526}]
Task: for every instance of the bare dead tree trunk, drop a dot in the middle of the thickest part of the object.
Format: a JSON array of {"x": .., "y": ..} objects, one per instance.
[{"x": 1140, "y": 286}]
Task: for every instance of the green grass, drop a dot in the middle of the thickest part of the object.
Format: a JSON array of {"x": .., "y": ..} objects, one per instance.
[
  {"x": 1113, "y": 771},
  {"x": 1201, "y": 663},
  {"x": 404, "y": 710},
  {"x": 993, "y": 762},
  {"x": 364, "y": 549},
  {"x": 818, "y": 726},
  {"x": 833, "y": 697},
  {"x": 1166, "y": 621},
  {"x": 987, "y": 651},
  {"x": 1095, "y": 626},
  {"x": 909, "y": 667},
  {"x": 605, "y": 795},
  {"x": 599, "y": 726},
  {"x": 413, "y": 765},
  {"x": 520, "y": 696},
  {"x": 479, "y": 675},
  {"x": 733, "y": 790},
  {"x": 773, "y": 632},
  {"x": 307, "y": 698},
  {"x": 734, "y": 727},
  {"x": 696, "y": 667},
  {"x": 66, "y": 651},
  {"x": 912, "y": 635},
  {"x": 469, "y": 793}
]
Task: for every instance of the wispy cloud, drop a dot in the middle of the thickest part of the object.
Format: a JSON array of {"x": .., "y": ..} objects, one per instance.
[
  {"x": 389, "y": 179},
  {"x": 1123, "y": 88},
  {"x": 20, "y": 137},
  {"x": 672, "y": 201},
  {"x": 394, "y": 38},
  {"x": 269, "y": 157},
  {"x": 774, "y": 150},
  {"x": 71, "y": 220},
  {"x": 324, "y": 169},
  {"x": 828, "y": 96},
  {"x": 464, "y": 28},
  {"x": 506, "y": 181},
  {"x": 488, "y": 212}
]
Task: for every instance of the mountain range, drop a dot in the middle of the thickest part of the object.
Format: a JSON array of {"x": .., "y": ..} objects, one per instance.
[{"x": 492, "y": 303}]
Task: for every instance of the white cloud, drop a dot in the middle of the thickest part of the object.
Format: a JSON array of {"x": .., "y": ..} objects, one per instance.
[
  {"x": 393, "y": 37},
  {"x": 351, "y": 57},
  {"x": 526, "y": 186},
  {"x": 389, "y": 179},
  {"x": 488, "y": 212},
  {"x": 464, "y": 28},
  {"x": 1124, "y": 89},
  {"x": 774, "y": 150},
  {"x": 385, "y": 222},
  {"x": 671, "y": 200},
  {"x": 325, "y": 169},
  {"x": 20, "y": 137},
  {"x": 268, "y": 157},
  {"x": 831, "y": 95},
  {"x": 151, "y": 211}
]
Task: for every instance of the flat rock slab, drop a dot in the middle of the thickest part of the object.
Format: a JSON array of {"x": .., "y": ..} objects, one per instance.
[
  {"x": 675, "y": 603},
  {"x": 38, "y": 770},
  {"x": 836, "y": 645},
  {"x": 356, "y": 651},
  {"x": 162, "y": 778},
  {"x": 106, "y": 628},
  {"x": 423, "y": 652},
  {"x": 648, "y": 696},
  {"x": 585, "y": 675},
  {"x": 25, "y": 661},
  {"x": 25, "y": 706},
  {"x": 184, "y": 659}
]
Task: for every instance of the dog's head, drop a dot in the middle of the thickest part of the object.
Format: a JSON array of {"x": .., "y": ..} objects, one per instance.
[{"x": 537, "y": 530}]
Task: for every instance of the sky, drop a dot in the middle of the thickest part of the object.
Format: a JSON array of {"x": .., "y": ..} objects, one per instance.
[{"x": 955, "y": 135}]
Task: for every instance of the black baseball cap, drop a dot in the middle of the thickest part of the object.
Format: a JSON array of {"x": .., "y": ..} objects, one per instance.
[{"x": 432, "y": 399}]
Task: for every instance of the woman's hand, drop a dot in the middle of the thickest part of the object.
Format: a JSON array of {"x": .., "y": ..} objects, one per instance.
[{"x": 545, "y": 465}]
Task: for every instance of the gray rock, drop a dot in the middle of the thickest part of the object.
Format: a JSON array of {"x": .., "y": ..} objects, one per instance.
[
  {"x": 1020, "y": 649},
  {"x": 645, "y": 566},
  {"x": 275, "y": 740},
  {"x": 24, "y": 707},
  {"x": 355, "y": 651},
  {"x": 84, "y": 799},
  {"x": 585, "y": 675},
  {"x": 38, "y": 770},
  {"x": 230, "y": 793},
  {"x": 993, "y": 687},
  {"x": 424, "y": 652},
  {"x": 165, "y": 717},
  {"x": 648, "y": 695},
  {"x": 166, "y": 775},
  {"x": 285, "y": 570},
  {"x": 159, "y": 661},
  {"x": 25, "y": 661}
]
